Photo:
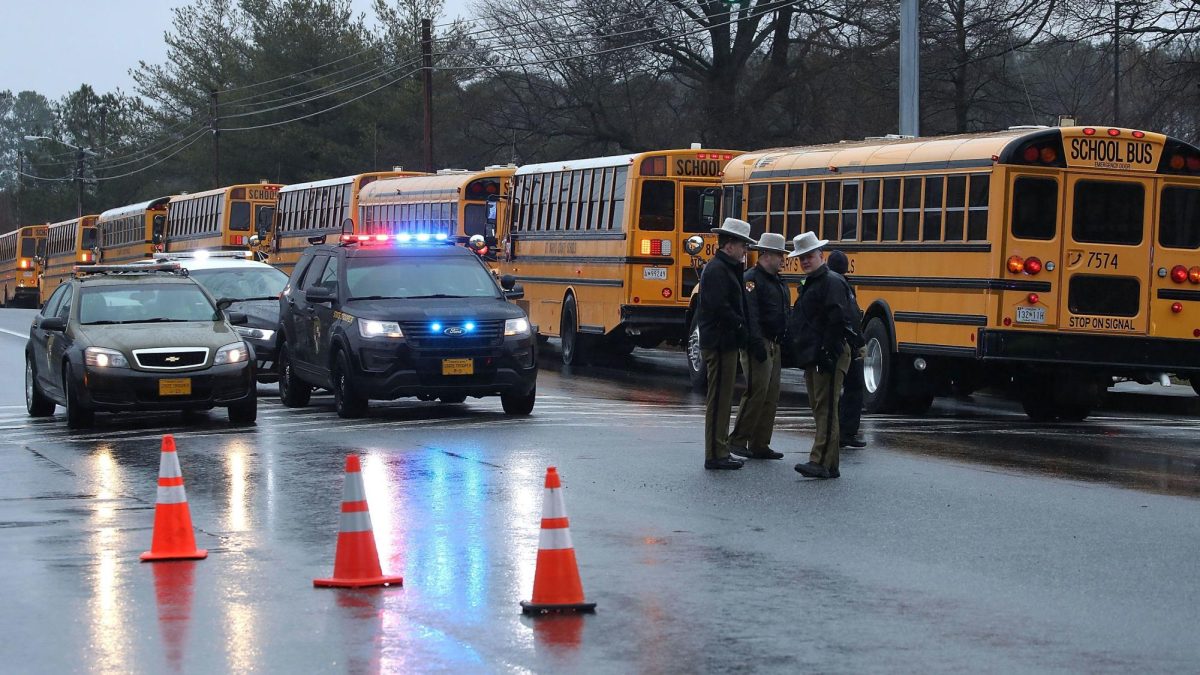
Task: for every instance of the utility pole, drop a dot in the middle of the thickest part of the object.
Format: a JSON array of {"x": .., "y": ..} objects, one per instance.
[
  {"x": 427, "y": 77},
  {"x": 103, "y": 145},
  {"x": 910, "y": 69},
  {"x": 216, "y": 136},
  {"x": 20, "y": 181},
  {"x": 79, "y": 182},
  {"x": 1116, "y": 64}
]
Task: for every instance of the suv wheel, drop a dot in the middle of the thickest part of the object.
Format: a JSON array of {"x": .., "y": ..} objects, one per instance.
[
  {"x": 36, "y": 403},
  {"x": 79, "y": 416},
  {"x": 292, "y": 392},
  {"x": 349, "y": 403},
  {"x": 244, "y": 412},
  {"x": 518, "y": 404}
]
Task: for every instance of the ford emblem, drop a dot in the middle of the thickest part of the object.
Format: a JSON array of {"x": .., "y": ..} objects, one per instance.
[{"x": 453, "y": 331}]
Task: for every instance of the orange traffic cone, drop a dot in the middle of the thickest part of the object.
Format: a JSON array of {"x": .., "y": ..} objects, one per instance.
[
  {"x": 356, "y": 562},
  {"x": 556, "y": 585},
  {"x": 173, "y": 538}
]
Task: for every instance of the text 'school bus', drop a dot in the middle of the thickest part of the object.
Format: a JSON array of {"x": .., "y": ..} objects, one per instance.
[
  {"x": 315, "y": 209},
  {"x": 597, "y": 244},
  {"x": 132, "y": 233},
  {"x": 1049, "y": 259},
  {"x": 457, "y": 203},
  {"x": 20, "y": 270},
  {"x": 221, "y": 219},
  {"x": 68, "y": 244}
]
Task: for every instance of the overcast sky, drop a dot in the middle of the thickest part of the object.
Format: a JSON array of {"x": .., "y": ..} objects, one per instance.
[{"x": 53, "y": 47}]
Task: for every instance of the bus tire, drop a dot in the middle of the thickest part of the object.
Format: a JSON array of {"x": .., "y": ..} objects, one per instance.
[
  {"x": 878, "y": 368},
  {"x": 1196, "y": 384},
  {"x": 574, "y": 345},
  {"x": 697, "y": 371}
]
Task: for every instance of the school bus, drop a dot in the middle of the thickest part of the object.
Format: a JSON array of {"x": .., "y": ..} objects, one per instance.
[
  {"x": 20, "y": 269},
  {"x": 457, "y": 203},
  {"x": 314, "y": 209},
  {"x": 132, "y": 233},
  {"x": 221, "y": 219},
  {"x": 68, "y": 243},
  {"x": 597, "y": 245},
  {"x": 1048, "y": 260}
]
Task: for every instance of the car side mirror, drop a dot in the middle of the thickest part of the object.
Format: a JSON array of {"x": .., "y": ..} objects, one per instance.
[
  {"x": 224, "y": 303},
  {"x": 236, "y": 318},
  {"x": 319, "y": 294},
  {"x": 515, "y": 293},
  {"x": 53, "y": 323},
  {"x": 507, "y": 282}
]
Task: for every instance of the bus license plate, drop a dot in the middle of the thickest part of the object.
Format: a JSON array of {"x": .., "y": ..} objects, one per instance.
[
  {"x": 655, "y": 273},
  {"x": 458, "y": 366},
  {"x": 178, "y": 387},
  {"x": 1031, "y": 315}
]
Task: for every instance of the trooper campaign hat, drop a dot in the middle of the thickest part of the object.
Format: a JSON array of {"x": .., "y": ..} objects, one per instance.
[
  {"x": 772, "y": 242},
  {"x": 738, "y": 229},
  {"x": 804, "y": 243}
]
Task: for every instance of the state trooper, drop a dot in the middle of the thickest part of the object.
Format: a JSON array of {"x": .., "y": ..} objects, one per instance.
[
  {"x": 851, "y": 404},
  {"x": 723, "y": 331},
  {"x": 768, "y": 304}
]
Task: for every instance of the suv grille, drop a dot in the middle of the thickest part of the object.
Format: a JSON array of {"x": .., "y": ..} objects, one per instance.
[
  {"x": 1105, "y": 296},
  {"x": 171, "y": 358},
  {"x": 420, "y": 335}
]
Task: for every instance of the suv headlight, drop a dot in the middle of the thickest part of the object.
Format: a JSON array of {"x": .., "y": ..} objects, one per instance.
[
  {"x": 369, "y": 328},
  {"x": 516, "y": 327},
  {"x": 255, "y": 333},
  {"x": 99, "y": 357},
  {"x": 234, "y": 353}
]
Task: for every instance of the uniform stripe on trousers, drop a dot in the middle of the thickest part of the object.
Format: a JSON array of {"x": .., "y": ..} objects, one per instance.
[
  {"x": 171, "y": 494},
  {"x": 554, "y": 539},
  {"x": 355, "y": 521}
]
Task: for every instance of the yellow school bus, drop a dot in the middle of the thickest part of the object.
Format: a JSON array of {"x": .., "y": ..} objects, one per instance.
[
  {"x": 597, "y": 245},
  {"x": 314, "y": 209},
  {"x": 132, "y": 233},
  {"x": 460, "y": 204},
  {"x": 68, "y": 244},
  {"x": 20, "y": 269},
  {"x": 1048, "y": 260},
  {"x": 221, "y": 219}
]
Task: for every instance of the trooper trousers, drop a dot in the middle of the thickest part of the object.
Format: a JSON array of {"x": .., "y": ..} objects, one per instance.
[
  {"x": 722, "y": 370},
  {"x": 824, "y": 390},
  {"x": 756, "y": 412}
]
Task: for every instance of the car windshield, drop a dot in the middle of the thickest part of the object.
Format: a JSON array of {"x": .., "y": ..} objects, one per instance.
[
  {"x": 413, "y": 277},
  {"x": 247, "y": 283},
  {"x": 145, "y": 303}
]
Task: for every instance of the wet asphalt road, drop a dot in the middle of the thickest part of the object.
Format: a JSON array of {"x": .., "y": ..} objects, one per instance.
[{"x": 967, "y": 540}]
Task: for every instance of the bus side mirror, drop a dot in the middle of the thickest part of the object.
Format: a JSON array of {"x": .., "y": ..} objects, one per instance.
[
  {"x": 708, "y": 208},
  {"x": 348, "y": 226},
  {"x": 693, "y": 245},
  {"x": 157, "y": 238}
]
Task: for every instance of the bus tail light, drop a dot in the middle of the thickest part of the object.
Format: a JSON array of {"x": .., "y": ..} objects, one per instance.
[
  {"x": 1176, "y": 307},
  {"x": 656, "y": 247},
  {"x": 1033, "y": 298},
  {"x": 1032, "y": 266},
  {"x": 1179, "y": 274},
  {"x": 24, "y": 264},
  {"x": 1016, "y": 265},
  {"x": 1194, "y": 275}
]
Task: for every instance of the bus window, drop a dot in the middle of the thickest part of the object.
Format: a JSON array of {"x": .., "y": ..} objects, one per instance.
[
  {"x": 977, "y": 207},
  {"x": 775, "y": 222},
  {"x": 264, "y": 217},
  {"x": 756, "y": 210},
  {"x": 850, "y": 210},
  {"x": 870, "y": 210},
  {"x": 933, "y": 207},
  {"x": 475, "y": 219},
  {"x": 1035, "y": 208},
  {"x": 731, "y": 203},
  {"x": 1179, "y": 218},
  {"x": 1108, "y": 212},
  {"x": 956, "y": 198},
  {"x": 239, "y": 216},
  {"x": 658, "y": 206},
  {"x": 891, "y": 210},
  {"x": 29, "y": 247},
  {"x": 912, "y": 210},
  {"x": 693, "y": 200},
  {"x": 812, "y": 208},
  {"x": 795, "y": 210},
  {"x": 157, "y": 226},
  {"x": 829, "y": 229}
]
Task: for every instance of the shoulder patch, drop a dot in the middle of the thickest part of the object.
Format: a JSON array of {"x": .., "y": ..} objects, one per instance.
[{"x": 749, "y": 286}]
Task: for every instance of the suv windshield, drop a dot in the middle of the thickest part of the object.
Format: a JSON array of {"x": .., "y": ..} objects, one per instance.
[
  {"x": 145, "y": 303},
  {"x": 412, "y": 277},
  {"x": 249, "y": 283}
]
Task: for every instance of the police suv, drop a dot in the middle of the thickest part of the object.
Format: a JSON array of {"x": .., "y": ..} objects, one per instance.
[{"x": 392, "y": 316}]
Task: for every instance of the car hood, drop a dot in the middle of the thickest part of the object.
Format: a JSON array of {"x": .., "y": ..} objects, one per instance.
[
  {"x": 442, "y": 309},
  {"x": 259, "y": 313},
  {"x": 131, "y": 336}
]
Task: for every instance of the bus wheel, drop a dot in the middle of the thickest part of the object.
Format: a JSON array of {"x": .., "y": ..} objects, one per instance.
[
  {"x": 574, "y": 351},
  {"x": 697, "y": 371},
  {"x": 878, "y": 368},
  {"x": 1196, "y": 384}
]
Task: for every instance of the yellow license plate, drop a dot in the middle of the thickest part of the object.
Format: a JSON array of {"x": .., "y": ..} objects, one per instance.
[
  {"x": 458, "y": 366},
  {"x": 179, "y": 387}
]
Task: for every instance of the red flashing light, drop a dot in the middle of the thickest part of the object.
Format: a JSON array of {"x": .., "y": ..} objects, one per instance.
[
  {"x": 702, "y": 155},
  {"x": 1193, "y": 163},
  {"x": 656, "y": 247},
  {"x": 380, "y": 237},
  {"x": 1089, "y": 131},
  {"x": 1032, "y": 266},
  {"x": 1176, "y": 163},
  {"x": 726, "y": 156},
  {"x": 1016, "y": 265},
  {"x": 1114, "y": 132},
  {"x": 1033, "y": 298},
  {"x": 1176, "y": 307},
  {"x": 1179, "y": 274},
  {"x": 1048, "y": 155},
  {"x": 1031, "y": 154},
  {"x": 1139, "y": 134},
  {"x": 1194, "y": 275}
]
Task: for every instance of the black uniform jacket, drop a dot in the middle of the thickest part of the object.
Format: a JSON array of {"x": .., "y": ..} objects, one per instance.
[
  {"x": 823, "y": 317},
  {"x": 768, "y": 305},
  {"x": 722, "y": 312}
]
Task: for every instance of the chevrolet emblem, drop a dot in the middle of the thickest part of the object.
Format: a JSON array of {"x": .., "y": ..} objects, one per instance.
[{"x": 171, "y": 359}]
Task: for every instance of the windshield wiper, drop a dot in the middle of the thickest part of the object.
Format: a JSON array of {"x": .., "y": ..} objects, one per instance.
[
  {"x": 376, "y": 297},
  {"x": 435, "y": 295},
  {"x": 267, "y": 297}
]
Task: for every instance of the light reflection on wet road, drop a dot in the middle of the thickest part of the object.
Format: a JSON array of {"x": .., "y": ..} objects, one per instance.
[{"x": 970, "y": 540}]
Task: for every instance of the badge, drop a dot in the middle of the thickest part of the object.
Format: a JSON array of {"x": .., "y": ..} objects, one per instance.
[{"x": 749, "y": 286}]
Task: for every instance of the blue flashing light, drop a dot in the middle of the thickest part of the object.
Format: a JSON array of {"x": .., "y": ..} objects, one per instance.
[
  {"x": 435, "y": 327},
  {"x": 440, "y": 236},
  {"x": 469, "y": 326},
  {"x": 423, "y": 237},
  {"x": 404, "y": 238}
]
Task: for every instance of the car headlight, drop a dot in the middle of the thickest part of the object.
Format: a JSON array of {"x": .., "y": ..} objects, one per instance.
[
  {"x": 255, "y": 333},
  {"x": 369, "y": 328},
  {"x": 234, "y": 353},
  {"x": 99, "y": 357},
  {"x": 516, "y": 327}
]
